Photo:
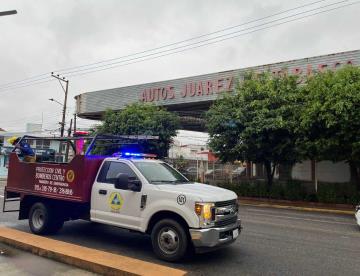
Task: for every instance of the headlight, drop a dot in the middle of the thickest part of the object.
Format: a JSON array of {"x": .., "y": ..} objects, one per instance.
[{"x": 205, "y": 213}]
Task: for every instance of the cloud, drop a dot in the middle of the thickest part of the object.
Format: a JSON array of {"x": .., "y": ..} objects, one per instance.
[{"x": 49, "y": 35}]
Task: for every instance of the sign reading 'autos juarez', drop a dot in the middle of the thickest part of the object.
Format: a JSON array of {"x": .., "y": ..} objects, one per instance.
[
  {"x": 226, "y": 84},
  {"x": 190, "y": 89}
]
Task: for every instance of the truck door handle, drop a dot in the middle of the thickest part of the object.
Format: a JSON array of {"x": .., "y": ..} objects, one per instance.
[{"x": 102, "y": 192}]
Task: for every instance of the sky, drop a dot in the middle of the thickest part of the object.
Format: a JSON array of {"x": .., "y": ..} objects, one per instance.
[{"x": 46, "y": 36}]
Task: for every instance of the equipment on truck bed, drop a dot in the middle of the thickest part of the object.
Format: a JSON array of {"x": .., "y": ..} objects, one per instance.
[{"x": 57, "y": 177}]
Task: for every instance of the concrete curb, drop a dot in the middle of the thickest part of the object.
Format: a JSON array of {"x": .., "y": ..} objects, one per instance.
[
  {"x": 86, "y": 258},
  {"x": 298, "y": 208}
]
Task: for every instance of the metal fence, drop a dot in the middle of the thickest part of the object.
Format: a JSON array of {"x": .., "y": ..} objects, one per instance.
[{"x": 210, "y": 172}]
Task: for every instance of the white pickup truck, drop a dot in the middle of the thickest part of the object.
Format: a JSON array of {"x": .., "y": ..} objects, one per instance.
[
  {"x": 175, "y": 211},
  {"x": 139, "y": 194}
]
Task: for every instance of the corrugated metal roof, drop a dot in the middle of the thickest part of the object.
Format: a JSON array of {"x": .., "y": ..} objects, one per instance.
[{"x": 92, "y": 104}]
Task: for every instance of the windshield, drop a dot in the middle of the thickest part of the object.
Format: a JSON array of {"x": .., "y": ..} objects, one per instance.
[{"x": 160, "y": 173}]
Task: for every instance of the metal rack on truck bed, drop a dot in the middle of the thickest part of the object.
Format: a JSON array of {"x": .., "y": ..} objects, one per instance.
[{"x": 66, "y": 179}]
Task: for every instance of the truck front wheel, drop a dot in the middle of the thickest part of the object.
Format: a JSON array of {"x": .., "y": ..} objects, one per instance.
[
  {"x": 42, "y": 220},
  {"x": 169, "y": 240}
]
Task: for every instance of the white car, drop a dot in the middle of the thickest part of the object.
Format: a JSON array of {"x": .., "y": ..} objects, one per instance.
[
  {"x": 357, "y": 214},
  {"x": 239, "y": 171}
]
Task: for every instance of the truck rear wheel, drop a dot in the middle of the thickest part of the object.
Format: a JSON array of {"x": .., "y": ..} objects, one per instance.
[
  {"x": 169, "y": 240},
  {"x": 42, "y": 220}
]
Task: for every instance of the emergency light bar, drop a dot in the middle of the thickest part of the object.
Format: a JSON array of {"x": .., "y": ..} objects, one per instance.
[
  {"x": 143, "y": 155},
  {"x": 106, "y": 141}
]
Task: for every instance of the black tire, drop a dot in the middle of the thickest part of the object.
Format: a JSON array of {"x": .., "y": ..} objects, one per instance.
[
  {"x": 43, "y": 221},
  {"x": 169, "y": 240}
]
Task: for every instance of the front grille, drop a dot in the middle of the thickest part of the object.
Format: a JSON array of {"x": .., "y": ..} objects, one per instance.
[
  {"x": 225, "y": 203},
  {"x": 226, "y": 222}
]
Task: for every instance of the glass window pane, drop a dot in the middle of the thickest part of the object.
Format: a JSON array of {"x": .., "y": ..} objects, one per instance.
[
  {"x": 116, "y": 168},
  {"x": 158, "y": 173}
]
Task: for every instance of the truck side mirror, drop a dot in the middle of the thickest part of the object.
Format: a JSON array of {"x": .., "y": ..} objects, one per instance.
[
  {"x": 122, "y": 181},
  {"x": 134, "y": 185}
]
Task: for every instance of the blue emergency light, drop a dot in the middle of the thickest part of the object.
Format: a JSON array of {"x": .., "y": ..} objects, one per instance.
[{"x": 139, "y": 155}]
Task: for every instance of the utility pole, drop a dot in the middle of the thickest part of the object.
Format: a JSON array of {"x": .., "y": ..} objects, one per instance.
[
  {"x": 74, "y": 123},
  {"x": 67, "y": 143},
  {"x": 3, "y": 13},
  {"x": 61, "y": 80},
  {"x": 70, "y": 128}
]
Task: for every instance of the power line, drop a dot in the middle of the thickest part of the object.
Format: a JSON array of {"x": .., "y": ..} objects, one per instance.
[
  {"x": 23, "y": 80},
  {"x": 183, "y": 41},
  {"x": 168, "y": 45},
  {"x": 201, "y": 45},
  {"x": 196, "y": 37},
  {"x": 22, "y": 86},
  {"x": 28, "y": 80},
  {"x": 205, "y": 40},
  {"x": 213, "y": 42}
]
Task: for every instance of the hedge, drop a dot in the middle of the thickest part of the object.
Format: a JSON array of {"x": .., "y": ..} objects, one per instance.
[{"x": 341, "y": 193}]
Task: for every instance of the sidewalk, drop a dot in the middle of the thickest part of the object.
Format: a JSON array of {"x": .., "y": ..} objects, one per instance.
[
  {"x": 343, "y": 209},
  {"x": 2, "y": 185},
  {"x": 18, "y": 262},
  {"x": 93, "y": 260}
]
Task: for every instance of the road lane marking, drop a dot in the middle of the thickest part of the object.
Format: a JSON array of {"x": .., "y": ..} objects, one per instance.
[
  {"x": 335, "y": 217},
  {"x": 296, "y": 243},
  {"x": 308, "y": 209},
  {"x": 306, "y": 219},
  {"x": 296, "y": 212},
  {"x": 356, "y": 235}
]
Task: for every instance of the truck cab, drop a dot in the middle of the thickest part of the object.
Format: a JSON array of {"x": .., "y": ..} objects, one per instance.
[{"x": 133, "y": 191}]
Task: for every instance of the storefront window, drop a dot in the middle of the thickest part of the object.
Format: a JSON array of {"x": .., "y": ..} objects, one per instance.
[{"x": 42, "y": 144}]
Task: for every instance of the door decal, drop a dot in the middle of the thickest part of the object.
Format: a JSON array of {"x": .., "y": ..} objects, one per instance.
[
  {"x": 115, "y": 201},
  {"x": 70, "y": 176}
]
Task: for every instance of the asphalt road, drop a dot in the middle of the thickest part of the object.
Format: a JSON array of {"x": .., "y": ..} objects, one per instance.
[{"x": 273, "y": 242}]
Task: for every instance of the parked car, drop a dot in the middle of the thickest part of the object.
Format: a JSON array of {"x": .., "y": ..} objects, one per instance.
[
  {"x": 357, "y": 214},
  {"x": 217, "y": 172},
  {"x": 239, "y": 171},
  {"x": 45, "y": 155},
  {"x": 191, "y": 170}
]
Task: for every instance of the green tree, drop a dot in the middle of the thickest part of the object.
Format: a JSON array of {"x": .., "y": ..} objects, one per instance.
[
  {"x": 329, "y": 124},
  {"x": 257, "y": 123},
  {"x": 180, "y": 163},
  {"x": 143, "y": 119}
]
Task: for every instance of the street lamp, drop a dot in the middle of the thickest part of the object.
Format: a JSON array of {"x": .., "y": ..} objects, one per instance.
[
  {"x": 65, "y": 89},
  {"x": 8, "y": 12},
  {"x": 53, "y": 100}
]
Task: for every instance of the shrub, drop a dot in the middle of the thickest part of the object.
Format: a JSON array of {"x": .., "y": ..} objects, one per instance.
[
  {"x": 295, "y": 190},
  {"x": 311, "y": 198},
  {"x": 338, "y": 193},
  {"x": 277, "y": 191}
]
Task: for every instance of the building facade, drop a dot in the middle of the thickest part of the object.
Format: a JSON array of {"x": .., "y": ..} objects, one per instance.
[{"x": 191, "y": 97}]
